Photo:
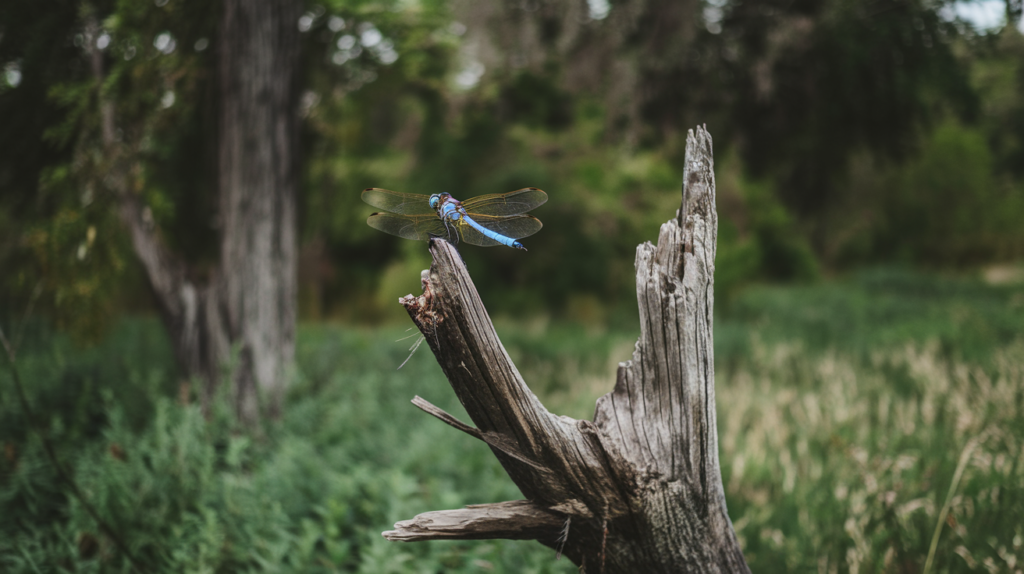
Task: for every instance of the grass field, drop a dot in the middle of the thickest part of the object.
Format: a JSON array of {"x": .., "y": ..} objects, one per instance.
[{"x": 854, "y": 417}]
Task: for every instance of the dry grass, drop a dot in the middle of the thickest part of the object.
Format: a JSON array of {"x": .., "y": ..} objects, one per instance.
[
  {"x": 835, "y": 463},
  {"x": 838, "y": 465}
]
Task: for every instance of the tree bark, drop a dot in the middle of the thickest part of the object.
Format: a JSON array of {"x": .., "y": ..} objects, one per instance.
[
  {"x": 258, "y": 184},
  {"x": 248, "y": 304},
  {"x": 639, "y": 489}
]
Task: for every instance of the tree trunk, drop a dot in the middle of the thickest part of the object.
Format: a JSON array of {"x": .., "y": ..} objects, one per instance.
[
  {"x": 258, "y": 177},
  {"x": 639, "y": 489},
  {"x": 248, "y": 305}
]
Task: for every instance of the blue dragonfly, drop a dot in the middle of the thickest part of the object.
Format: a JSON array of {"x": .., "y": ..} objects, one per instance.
[{"x": 487, "y": 220}]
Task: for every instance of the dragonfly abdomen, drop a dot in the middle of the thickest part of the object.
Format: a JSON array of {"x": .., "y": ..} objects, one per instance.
[{"x": 493, "y": 235}]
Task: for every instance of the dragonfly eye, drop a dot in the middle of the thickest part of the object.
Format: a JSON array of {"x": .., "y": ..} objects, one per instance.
[{"x": 433, "y": 201}]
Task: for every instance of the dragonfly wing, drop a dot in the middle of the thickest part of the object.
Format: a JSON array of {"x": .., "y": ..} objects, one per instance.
[
  {"x": 474, "y": 237},
  {"x": 511, "y": 203},
  {"x": 416, "y": 227},
  {"x": 514, "y": 227},
  {"x": 397, "y": 202}
]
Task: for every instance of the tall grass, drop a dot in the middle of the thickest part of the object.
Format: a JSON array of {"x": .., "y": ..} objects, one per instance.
[{"x": 837, "y": 465}]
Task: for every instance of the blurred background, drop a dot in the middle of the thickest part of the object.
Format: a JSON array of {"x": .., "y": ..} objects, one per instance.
[{"x": 869, "y": 159}]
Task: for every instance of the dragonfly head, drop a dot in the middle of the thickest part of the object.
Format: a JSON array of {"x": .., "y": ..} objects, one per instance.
[{"x": 435, "y": 200}]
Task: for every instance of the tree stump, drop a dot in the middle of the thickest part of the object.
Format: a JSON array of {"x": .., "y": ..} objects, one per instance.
[{"x": 639, "y": 488}]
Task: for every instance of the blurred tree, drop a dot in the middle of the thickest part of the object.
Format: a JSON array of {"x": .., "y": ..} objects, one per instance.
[
  {"x": 179, "y": 121},
  {"x": 246, "y": 303},
  {"x": 113, "y": 123}
]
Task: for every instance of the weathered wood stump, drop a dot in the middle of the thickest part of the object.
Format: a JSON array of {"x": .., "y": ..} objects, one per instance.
[{"x": 639, "y": 489}]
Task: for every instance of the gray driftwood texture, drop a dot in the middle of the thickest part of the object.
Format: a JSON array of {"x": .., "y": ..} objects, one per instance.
[{"x": 639, "y": 489}]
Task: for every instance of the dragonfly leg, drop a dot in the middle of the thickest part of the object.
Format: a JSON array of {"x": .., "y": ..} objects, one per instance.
[
  {"x": 453, "y": 234},
  {"x": 453, "y": 231},
  {"x": 450, "y": 235}
]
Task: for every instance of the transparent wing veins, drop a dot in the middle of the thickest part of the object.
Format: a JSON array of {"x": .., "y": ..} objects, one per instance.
[
  {"x": 398, "y": 202},
  {"x": 511, "y": 203}
]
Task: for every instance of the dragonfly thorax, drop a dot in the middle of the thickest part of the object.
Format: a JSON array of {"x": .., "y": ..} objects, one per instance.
[{"x": 450, "y": 211}]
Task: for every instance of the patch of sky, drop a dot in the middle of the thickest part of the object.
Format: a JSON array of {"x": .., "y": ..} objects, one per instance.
[
  {"x": 385, "y": 52},
  {"x": 164, "y": 42},
  {"x": 346, "y": 42},
  {"x": 598, "y": 9},
  {"x": 307, "y": 102},
  {"x": 457, "y": 28},
  {"x": 470, "y": 75},
  {"x": 713, "y": 12},
  {"x": 370, "y": 37},
  {"x": 12, "y": 74},
  {"x": 348, "y": 50},
  {"x": 982, "y": 15}
]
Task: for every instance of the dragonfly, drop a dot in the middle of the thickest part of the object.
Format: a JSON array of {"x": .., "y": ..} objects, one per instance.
[{"x": 487, "y": 220}]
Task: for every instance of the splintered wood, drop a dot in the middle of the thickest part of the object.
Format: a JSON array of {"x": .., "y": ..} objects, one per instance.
[{"x": 639, "y": 489}]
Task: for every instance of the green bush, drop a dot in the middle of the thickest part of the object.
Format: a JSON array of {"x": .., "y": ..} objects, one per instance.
[
  {"x": 310, "y": 493},
  {"x": 948, "y": 206}
]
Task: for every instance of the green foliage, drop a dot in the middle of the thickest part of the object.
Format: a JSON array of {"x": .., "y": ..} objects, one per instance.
[
  {"x": 27, "y": 49},
  {"x": 364, "y": 124},
  {"x": 531, "y": 126},
  {"x": 836, "y": 125},
  {"x": 998, "y": 76},
  {"x": 843, "y": 412},
  {"x": 189, "y": 492},
  {"x": 758, "y": 239},
  {"x": 876, "y": 309},
  {"x": 797, "y": 87},
  {"x": 948, "y": 205},
  {"x": 536, "y": 100},
  {"x": 66, "y": 245}
]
